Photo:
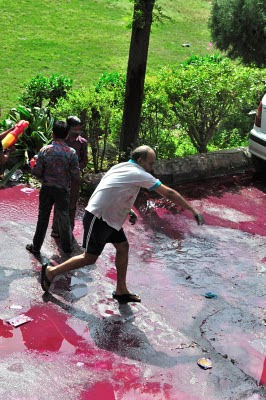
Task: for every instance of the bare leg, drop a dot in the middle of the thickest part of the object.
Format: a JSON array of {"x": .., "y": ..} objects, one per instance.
[
  {"x": 70, "y": 264},
  {"x": 121, "y": 262}
]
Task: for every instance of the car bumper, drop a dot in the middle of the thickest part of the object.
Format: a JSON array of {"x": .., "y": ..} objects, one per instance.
[{"x": 257, "y": 144}]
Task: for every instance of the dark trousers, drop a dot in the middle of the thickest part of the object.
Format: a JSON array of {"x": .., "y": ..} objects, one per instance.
[
  {"x": 74, "y": 195},
  {"x": 59, "y": 197}
]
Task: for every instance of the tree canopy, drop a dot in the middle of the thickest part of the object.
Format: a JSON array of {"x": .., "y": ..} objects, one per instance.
[{"x": 239, "y": 28}]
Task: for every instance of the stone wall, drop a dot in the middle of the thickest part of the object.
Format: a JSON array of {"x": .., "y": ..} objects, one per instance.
[
  {"x": 202, "y": 166},
  {"x": 192, "y": 168}
]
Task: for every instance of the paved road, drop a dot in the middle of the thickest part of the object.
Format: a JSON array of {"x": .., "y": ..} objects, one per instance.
[{"x": 81, "y": 345}]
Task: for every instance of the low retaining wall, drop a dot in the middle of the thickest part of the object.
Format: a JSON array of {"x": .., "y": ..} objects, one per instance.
[
  {"x": 192, "y": 168},
  {"x": 202, "y": 166}
]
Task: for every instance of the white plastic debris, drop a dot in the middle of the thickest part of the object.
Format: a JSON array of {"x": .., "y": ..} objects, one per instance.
[{"x": 19, "y": 320}]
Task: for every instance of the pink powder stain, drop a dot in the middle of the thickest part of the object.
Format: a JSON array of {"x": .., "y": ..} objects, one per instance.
[
  {"x": 5, "y": 330},
  {"x": 253, "y": 361},
  {"x": 111, "y": 273},
  {"x": 110, "y": 312},
  {"x": 11, "y": 340},
  {"x": 239, "y": 346},
  {"x": 112, "y": 258},
  {"x": 50, "y": 332},
  {"x": 263, "y": 374},
  {"x": 136, "y": 390},
  {"x": 246, "y": 202},
  {"x": 99, "y": 391},
  {"x": 61, "y": 338},
  {"x": 149, "y": 391},
  {"x": 78, "y": 230},
  {"x": 174, "y": 226},
  {"x": 17, "y": 204}
]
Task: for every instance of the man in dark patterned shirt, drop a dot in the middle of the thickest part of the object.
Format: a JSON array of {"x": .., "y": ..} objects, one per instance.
[
  {"x": 57, "y": 165},
  {"x": 77, "y": 142}
]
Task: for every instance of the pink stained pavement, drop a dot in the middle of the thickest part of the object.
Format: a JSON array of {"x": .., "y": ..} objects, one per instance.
[{"x": 81, "y": 345}]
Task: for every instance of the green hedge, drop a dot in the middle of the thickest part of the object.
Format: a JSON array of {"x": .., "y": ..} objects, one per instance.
[{"x": 198, "y": 106}]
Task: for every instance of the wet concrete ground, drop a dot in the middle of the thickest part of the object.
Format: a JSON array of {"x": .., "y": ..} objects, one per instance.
[{"x": 81, "y": 345}]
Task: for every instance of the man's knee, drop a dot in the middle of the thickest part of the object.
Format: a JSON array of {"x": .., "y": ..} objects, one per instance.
[
  {"x": 122, "y": 248},
  {"x": 89, "y": 258}
]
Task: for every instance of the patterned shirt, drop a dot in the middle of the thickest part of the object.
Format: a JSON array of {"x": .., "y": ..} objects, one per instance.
[
  {"x": 81, "y": 146},
  {"x": 57, "y": 165}
]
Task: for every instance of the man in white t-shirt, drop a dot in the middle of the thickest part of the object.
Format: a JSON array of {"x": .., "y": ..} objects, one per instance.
[{"x": 106, "y": 212}]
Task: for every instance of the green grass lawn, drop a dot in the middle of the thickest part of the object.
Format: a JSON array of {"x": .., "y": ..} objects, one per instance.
[{"x": 83, "y": 38}]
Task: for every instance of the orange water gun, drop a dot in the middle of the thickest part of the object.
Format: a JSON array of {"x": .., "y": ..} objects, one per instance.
[{"x": 12, "y": 137}]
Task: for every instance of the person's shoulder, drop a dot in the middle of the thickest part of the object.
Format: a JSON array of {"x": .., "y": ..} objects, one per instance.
[
  {"x": 132, "y": 169},
  {"x": 71, "y": 151},
  {"x": 121, "y": 166},
  {"x": 46, "y": 148},
  {"x": 136, "y": 168},
  {"x": 67, "y": 148},
  {"x": 73, "y": 154}
]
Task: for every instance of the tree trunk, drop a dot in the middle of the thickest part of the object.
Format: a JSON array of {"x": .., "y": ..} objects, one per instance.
[{"x": 136, "y": 70}]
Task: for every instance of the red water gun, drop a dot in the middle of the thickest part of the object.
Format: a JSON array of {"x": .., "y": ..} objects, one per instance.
[
  {"x": 12, "y": 137},
  {"x": 33, "y": 161}
]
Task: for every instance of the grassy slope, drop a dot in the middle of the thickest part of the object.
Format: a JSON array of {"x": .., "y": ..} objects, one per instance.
[{"x": 83, "y": 38}]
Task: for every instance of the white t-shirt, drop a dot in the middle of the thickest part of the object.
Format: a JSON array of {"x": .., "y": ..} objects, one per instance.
[{"x": 116, "y": 193}]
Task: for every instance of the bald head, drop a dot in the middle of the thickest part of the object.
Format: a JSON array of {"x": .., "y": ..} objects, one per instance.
[
  {"x": 144, "y": 156},
  {"x": 141, "y": 152}
]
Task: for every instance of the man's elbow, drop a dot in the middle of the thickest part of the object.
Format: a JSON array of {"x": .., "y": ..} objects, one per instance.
[
  {"x": 166, "y": 192},
  {"x": 171, "y": 194}
]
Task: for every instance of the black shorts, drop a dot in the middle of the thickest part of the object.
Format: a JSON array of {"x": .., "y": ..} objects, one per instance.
[{"x": 97, "y": 233}]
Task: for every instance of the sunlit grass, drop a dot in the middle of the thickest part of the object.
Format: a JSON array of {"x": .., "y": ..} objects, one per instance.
[{"x": 81, "y": 39}]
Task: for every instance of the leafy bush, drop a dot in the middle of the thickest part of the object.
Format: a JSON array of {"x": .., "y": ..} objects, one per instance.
[
  {"x": 112, "y": 81},
  {"x": 95, "y": 109},
  {"x": 38, "y": 133},
  {"x": 208, "y": 92},
  {"x": 41, "y": 90},
  {"x": 184, "y": 147},
  {"x": 157, "y": 120},
  {"x": 228, "y": 140},
  {"x": 199, "y": 105}
]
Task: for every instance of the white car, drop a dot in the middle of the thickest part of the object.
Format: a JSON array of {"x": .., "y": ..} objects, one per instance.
[{"x": 257, "y": 138}]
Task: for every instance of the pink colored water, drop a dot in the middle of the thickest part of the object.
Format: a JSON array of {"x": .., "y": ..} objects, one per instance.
[{"x": 165, "y": 244}]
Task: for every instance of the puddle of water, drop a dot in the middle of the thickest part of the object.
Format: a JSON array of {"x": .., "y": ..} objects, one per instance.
[
  {"x": 16, "y": 204},
  {"x": 48, "y": 332}
]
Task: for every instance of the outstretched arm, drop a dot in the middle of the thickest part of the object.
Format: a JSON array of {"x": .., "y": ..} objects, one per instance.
[
  {"x": 4, "y": 155},
  {"x": 179, "y": 200},
  {"x": 3, "y": 134}
]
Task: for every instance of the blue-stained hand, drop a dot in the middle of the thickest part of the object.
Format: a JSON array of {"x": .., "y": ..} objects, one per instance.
[{"x": 132, "y": 217}]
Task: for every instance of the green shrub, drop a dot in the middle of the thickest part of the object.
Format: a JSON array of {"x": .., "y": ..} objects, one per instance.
[
  {"x": 42, "y": 91},
  {"x": 38, "y": 133},
  {"x": 228, "y": 140},
  {"x": 211, "y": 92},
  {"x": 157, "y": 120},
  {"x": 95, "y": 109}
]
